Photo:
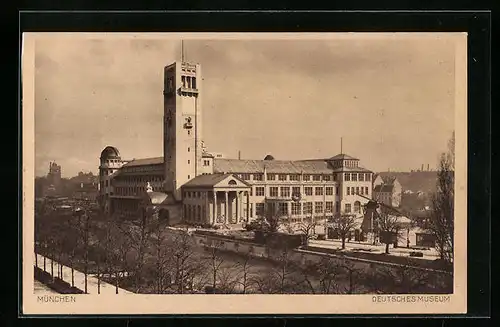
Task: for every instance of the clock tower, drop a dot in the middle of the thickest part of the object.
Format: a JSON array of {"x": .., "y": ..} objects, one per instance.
[{"x": 182, "y": 147}]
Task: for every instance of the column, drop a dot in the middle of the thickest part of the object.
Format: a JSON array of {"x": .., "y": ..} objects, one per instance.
[
  {"x": 248, "y": 206},
  {"x": 237, "y": 199},
  {"x": 206, "y": 218},
  {"x": 215, "y": 208},
  {"x": 226, "y": 211}
]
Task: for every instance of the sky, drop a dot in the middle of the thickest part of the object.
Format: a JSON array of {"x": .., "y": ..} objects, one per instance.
[{"x": 390, "y": 98}]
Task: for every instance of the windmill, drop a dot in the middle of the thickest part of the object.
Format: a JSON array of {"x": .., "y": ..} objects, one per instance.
[{"x": 373, "y": 205}]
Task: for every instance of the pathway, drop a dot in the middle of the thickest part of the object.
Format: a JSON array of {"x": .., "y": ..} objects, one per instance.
[
  {"x": 351, "y": 246},
  {"x": 92, "y": 284}
]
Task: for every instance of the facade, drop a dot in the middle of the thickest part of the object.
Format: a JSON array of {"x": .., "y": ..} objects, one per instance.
[
  {"x": 388, "y": 190},
  {"x": 192, "y": 185}
]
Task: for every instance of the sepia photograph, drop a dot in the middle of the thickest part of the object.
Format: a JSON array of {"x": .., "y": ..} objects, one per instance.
[{"x": 244, "y": 173}]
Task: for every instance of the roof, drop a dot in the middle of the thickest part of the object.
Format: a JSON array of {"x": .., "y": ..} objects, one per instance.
[
  {"x": 145, "y": 162},
  {"x": 110, "y": 152},
  {"x": 314, "y": 166},
  {"x": 384, "y": 188},
  {"x": 343, "y": 156},
  {"x": 210, "y": 180}
]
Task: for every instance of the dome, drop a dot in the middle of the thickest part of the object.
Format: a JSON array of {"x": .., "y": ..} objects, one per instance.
[
  {"x": 269, "y": 157},
  {"x": 110, "y": 152}
]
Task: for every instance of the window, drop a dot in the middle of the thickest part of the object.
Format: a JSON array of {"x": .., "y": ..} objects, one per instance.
[
  {"x": 296, "y": 190},
  {"x": 273, "y": 191},
  {"x": 245, "y": 177},
  {"x": 259, "y": 209},
  {"x": 232, "y": 182},
  {"x": 337, "y": 206},
  {"x": 257, "y": 177},
  {"x": 296, "y": 208},
  {"x": 348, "y": 207},
  {"x": 189, "y": 149},
  {"x": 368, "y": 177},
  {"x": 206, "y": 163},
  {"x": 327, "y": 177},
  {"x": 357, "y": 207},
  {"x": 329, "y": 206},
  {"x": 282, "y": 177},
  {"x": 285, "y": 191},
  {"x": 308, "y": 190},
  {"x": 337, "y": 190},
  {"x": 334, "y": 177},
  {"x": 329, "y": 190},
  {"x": 307, "y": 208},
  {"x": 361, "y": 177},
  {"x": 348, "y": 190},
  {"x": 318, "y": 207},
  {"x": 189, "y": 161},
  {"x": 283, "y": 209},
  {"x": 189, "y": 132},
  {"x": 318, "y": 191},
  {"x": 316, "y": 177},
  {"x": 295, "y": 177},
  {"x": 271, "y": 177},
  {"x": 259, "y": 191},
  {"x": 366, "y": 190},
  {"x": 354, "y": 177},
  {"x": 361, "y": 191},
  {"x": 357, "y": 189},
  {"x": 306, "y": 178},
  {"x": 189, "y": 176},
  {"x": 347, "y": 176}
]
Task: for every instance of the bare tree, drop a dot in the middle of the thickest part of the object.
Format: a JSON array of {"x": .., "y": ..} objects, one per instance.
[
  {"x": 83, "y": 225},
  {"x": 344, "y": 223},
  {"x": 353, "y": 276},
  {"x": 277, "y": 279},
  {"x": 139, "y": 232},
  {"x": 162, "y": 257},
  {"x": 244, "y": 273},
  {"x": 307, "y": 228},
  {"x": 399, "y": 279},
  {"x": 186, "y": 266},
  {"x": 322, "y": 277},
  {"x": 441, "y": 222},
  {"x": 388, "y": 226},
  {"x": 214, "y": 261}
]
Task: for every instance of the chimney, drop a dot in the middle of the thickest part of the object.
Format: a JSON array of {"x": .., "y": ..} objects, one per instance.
[
  {"x": 428, "y": 167},
  {"x": 239, "y": 155},
  {"x": 422, "y": 167}
]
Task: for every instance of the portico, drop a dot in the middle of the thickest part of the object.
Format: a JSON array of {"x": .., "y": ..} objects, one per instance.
[{"x": 218, "y": 199}]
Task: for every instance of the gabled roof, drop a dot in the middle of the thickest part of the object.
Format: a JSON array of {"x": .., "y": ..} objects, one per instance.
[
  {"x": 145, "y": 162},
  {"x": 343, "y": 156},
  {"x": 212, "y": 180}
]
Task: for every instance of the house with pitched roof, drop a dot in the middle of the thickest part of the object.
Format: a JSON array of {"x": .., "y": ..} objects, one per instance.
[{"x": 387, "y": 189}]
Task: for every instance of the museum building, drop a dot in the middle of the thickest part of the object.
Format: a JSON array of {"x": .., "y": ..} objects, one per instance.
[{"x": 189, "y": 184}]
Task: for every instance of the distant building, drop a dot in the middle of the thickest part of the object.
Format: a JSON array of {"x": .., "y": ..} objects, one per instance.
[
  {"x": 53, "y": 185},
  {"x": 86, "y": 191},
  {"x": 388, "y": 190}
]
